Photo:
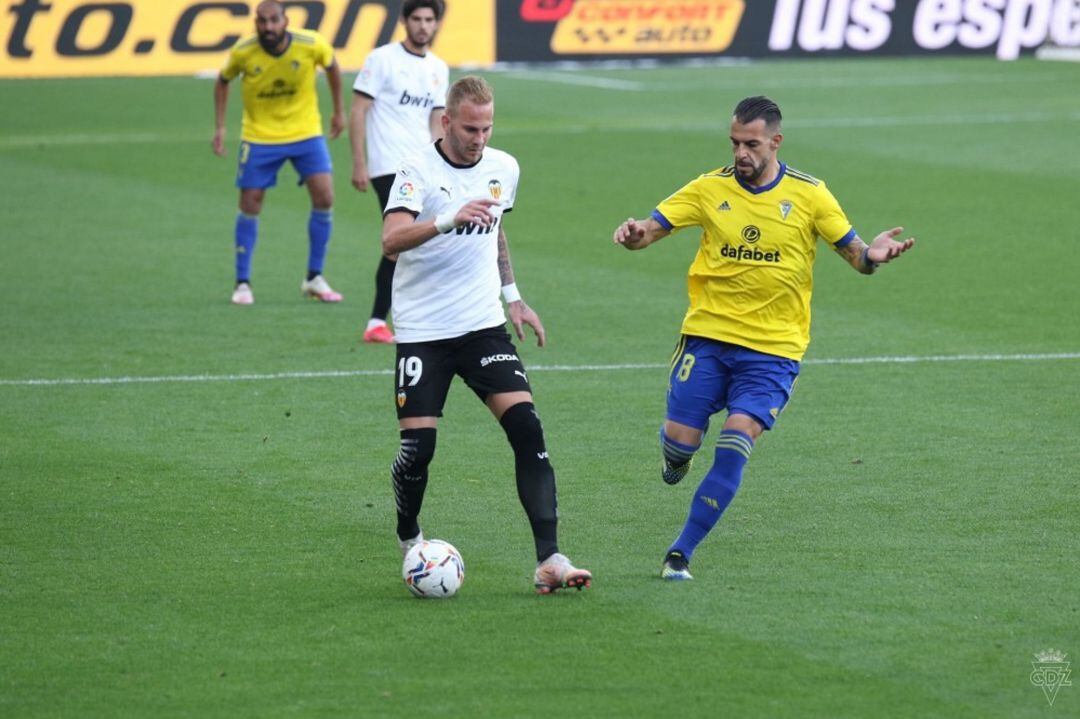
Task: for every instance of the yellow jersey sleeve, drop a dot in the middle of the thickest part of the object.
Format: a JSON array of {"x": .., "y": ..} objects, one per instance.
[
  {"x": 830, "y": 222},
  {"x": 234, "y": 65},
  {"x": 324, "y": 52},
  {"x": 682, "y": 209}
]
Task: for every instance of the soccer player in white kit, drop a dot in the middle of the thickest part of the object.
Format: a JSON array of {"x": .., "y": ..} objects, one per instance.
[
  {"x": 445, "y": 219},
  {"x": 398, "y": 101}
]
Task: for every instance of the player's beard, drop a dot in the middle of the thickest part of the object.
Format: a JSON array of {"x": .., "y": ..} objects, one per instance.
[
  {"x": 270, "y": 41},
  {"x": 755, "y": 171},
  {"x": 420, "y": 40},
  {"x": 465, "y": 152}
]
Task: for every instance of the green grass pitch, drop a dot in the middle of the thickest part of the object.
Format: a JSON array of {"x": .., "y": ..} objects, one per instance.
[{"x": 903, "y": 544}]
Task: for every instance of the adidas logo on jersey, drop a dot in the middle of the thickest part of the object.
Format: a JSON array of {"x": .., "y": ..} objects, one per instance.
[{"x": 724, "y": 206}]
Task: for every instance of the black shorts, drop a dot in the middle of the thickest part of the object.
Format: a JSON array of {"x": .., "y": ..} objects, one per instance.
[
  {"x": 486, "y": 359},
  {"x": 383, "y": 185}
]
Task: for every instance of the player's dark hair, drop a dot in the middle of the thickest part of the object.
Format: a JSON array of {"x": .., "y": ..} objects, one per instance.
[
  {"x": 758, "y": 107},
  {"x": 436, "y": 6}
]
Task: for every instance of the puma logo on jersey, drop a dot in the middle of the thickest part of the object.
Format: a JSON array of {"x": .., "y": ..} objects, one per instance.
[
  {"x": 523, "y": 376},
  {"x": 448, "y": 196}
]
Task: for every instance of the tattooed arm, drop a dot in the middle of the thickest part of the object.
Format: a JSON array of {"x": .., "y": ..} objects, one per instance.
[
  {"x": 506, "y": 270},
  {"x": 865, "y": 258},
  {"x": 520, "y": 313}
]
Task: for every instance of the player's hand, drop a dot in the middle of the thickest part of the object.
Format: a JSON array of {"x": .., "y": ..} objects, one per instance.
[
  {"x": 218, "y": 143},
  {"x": 360, "y": 178},
  {"x": 521, "y": 314},
  {"x": 629, "y": 234},
  {"x": 885, "y": 247},
  {"x": 337, "y": 125},
  {"x": 478, "y": 212}
]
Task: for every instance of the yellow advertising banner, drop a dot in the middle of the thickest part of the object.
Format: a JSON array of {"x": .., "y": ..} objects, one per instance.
[
  {"x": 647, "y": 27},
  {"x": 73, "y": 38}
]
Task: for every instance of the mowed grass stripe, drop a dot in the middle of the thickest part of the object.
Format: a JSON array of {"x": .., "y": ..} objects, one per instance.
[
  {"x": 829, "y": 123},
  {"x": 248, "y": 377}
]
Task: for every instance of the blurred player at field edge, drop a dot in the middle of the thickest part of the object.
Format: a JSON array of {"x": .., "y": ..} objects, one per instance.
[
  {"x": 281, "y": 122},
  {"x": 398, "y": 102},
  {"x": 748, "y": 324}
]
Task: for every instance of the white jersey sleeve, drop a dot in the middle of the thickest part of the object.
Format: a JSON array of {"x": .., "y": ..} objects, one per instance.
[
  {"x": 515, "y": 172},
  {"x": 370, "y": 79},
  {"x": 444, "y": 85},
  {"x": 409, "y": 189}
]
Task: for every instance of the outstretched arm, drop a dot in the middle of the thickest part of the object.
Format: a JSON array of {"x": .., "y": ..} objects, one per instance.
[
  {"x": 337, "y": 121},
  {"x": 884, "y": 248},
  {"x": 520, "y": 313},
  {"x": 221, "y": 101},
  {"x": 639, "y": 234}
]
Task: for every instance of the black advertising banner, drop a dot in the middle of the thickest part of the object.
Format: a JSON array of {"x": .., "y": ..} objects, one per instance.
[{"x": 590, "y": 30}]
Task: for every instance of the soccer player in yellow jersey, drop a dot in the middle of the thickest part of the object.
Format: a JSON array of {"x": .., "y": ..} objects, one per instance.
[
  {"x": 281, "y": 122},
  {"x": 748, "y": 324}
]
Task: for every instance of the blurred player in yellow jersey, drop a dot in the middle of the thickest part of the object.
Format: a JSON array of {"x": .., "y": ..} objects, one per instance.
[
  {"x": 278, "y": 67},
  {"x": 748, "y": 324}
]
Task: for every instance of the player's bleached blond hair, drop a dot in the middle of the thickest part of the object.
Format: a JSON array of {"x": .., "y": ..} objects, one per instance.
[{"x": 472, "y": 88}]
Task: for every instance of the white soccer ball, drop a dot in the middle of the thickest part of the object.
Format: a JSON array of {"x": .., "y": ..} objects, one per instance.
[{"x": 433, "y": 569}]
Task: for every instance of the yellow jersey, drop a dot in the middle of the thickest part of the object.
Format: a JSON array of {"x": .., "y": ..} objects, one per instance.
[
  {"x": 751, "y": 281},
  {"x": 280, "y": 101}
]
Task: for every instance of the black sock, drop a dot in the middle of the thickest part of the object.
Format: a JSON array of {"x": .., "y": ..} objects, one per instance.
[
  {"x": 410, "y": 476},
  {"x": 535, "y": 476},
  {"x": 384, "y": 281},
  {"x": 312, "y": 274}
]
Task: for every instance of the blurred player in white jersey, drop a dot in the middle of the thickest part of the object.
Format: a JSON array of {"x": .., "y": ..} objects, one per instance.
[
  {"x": 398, "y": 103},
  {"x": 445, "y": 219}
]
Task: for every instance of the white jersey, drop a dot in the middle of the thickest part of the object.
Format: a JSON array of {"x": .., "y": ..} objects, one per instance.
[
  {"x": 406, "y": 88},
  {"x": 450, "y": 285}
]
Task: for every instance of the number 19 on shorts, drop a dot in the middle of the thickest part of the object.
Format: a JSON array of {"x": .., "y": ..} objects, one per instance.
[{"x": 410, "y": 368}]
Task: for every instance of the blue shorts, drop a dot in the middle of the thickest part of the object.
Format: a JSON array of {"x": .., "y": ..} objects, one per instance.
[
  {"x": 708, "y": 376},
  {"x": 259, "y": 163}
]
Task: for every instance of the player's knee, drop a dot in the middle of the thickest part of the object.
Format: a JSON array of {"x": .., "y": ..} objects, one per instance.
[
  {"x": 416, "y": 451},
  {"x": 683, "y": 433},
  {"x": 251, "y": 202},
  {"x": 524, "y": 429},
  {"x": 679, "y": 450},
  {"x": 321, "y": 189}
]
